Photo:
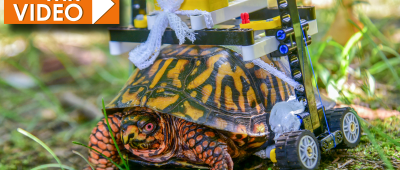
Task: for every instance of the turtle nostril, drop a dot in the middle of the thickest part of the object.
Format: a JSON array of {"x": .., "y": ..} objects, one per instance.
[{"x": 132, "y": 135}]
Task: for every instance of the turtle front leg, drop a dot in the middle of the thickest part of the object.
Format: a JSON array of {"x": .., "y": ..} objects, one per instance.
[
  {"x": 207, "y": 145},
  {"x": 101, "y": 140}
]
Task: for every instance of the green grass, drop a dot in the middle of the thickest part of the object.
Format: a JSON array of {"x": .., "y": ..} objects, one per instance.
[
  {"x": 43, "y": 145},
  {"x": 109, "y": 159},
  {"x": 124, "y": 162},
  {"x": 47, "y": 166},
  {"x": 374, "y": 143},
  {"x": 112, "y": 134},
  {"x": 84, "y": 158}
]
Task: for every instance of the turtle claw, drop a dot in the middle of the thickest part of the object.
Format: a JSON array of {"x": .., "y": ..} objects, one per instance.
[
  {"x": 225, "y": 164},
  {"x": 228, "y": 161}
]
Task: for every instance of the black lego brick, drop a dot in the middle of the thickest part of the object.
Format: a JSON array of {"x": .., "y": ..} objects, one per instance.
[
  {"x": 305, "y": 12},
  {"x": 203, "y": 37},
  {"x": 235, "y": 36}
]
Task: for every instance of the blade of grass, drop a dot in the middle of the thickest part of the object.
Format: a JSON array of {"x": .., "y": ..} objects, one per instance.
[
  {"x": 335, "y": 44},
  {"x": 127, "y": 163},
  {"x": 381, "y": 66},
  {"x": 111, "y": 132},
  {"x": 338, "y": 48},
  {"x": 345, "y": 56},
  {"x": 390, "y": 50},
  {"x": 41, "y": 143},
  {"x": 109, "y": 159},
  {"x": 371, "y": 83},
  {"x": 373, "y": 29},
  {"x": 391, "y": 140},
  {"x": 381, "y": 54},
  {"x": 373, "y": 141},
  {"x": 320, "y": 50},
  {"x": 47, "y": 166},
  {"x": 75, "y": 152}
]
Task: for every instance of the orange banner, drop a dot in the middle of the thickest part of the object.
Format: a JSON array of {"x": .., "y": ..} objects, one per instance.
[{"x": 61, "y": 11}]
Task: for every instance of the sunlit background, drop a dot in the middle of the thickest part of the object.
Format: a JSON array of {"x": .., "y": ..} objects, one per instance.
[{"x": 52, "y": 81}]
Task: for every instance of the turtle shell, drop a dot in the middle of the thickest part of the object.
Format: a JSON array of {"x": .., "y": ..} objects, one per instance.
[{"x": 208, "y": 85}]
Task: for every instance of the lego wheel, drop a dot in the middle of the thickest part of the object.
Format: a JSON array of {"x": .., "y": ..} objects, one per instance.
[
  {"x": 298, "y": 150},
  {"x": 346, "y": 121}
]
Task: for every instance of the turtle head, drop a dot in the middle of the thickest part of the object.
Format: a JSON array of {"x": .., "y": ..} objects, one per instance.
[
  {"x": 142, "y": 131},
  {"x": 148, "y": 134}
]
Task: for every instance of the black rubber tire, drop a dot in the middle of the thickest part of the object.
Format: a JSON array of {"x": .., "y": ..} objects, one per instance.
[
  {"x": 287, "y": 147},
  {"x": 335, "y": 120}
]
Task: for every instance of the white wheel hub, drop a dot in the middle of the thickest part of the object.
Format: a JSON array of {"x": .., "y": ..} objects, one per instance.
[
  {"x": 351, "y": 128},
  {"x": 308, "y": 152}
]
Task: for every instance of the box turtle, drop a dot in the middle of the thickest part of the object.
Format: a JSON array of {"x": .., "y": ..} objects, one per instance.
[{"x": 196, "y": 106}]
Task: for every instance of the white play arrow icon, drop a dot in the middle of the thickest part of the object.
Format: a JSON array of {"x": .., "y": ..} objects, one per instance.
[{"x": 99, "y": 8}]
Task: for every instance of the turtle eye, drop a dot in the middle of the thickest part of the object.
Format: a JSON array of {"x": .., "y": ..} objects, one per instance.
[{"x": 149, "y": 127}]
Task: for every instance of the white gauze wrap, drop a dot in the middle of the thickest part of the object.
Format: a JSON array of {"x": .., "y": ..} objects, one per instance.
[
  {"x": 271, "y": 69},
  {"x": 144, "y": 55},
  {"x": 283, "y": 116}
]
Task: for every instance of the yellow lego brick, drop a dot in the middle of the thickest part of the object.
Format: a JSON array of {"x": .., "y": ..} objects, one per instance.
[
  {"x": 263, "y": 25},
  {"x": 204, "y": 5},
  {"x": 140, "y": 23},
  {"x": 272, "y": 155}
]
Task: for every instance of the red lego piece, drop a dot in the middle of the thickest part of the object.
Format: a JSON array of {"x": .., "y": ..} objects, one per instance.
[{"x": 245, "y": 18}]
